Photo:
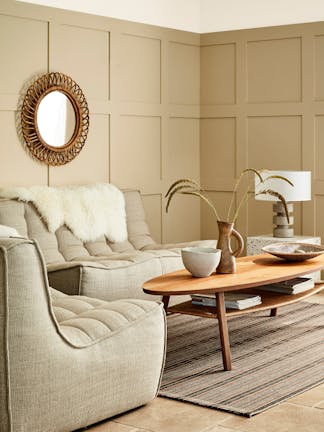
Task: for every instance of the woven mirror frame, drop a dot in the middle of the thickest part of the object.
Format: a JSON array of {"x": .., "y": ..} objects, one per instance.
[{"x": 39, "y": 148}]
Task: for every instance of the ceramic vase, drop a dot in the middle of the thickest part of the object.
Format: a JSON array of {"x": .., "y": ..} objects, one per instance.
[{"x": 227, "y": 262}]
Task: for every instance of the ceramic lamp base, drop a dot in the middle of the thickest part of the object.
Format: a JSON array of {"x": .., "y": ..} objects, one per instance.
[{"x": 283, "y": 229}]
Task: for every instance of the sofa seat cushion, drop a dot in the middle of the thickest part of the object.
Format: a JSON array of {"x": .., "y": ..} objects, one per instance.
[
  {"x": 176, "y": 247},
  {"x": 111, "y": 279},
  {"x": 118, "y": 276},
  {"x": 84, "y": 321},
  {"x": 116, "y": 260}
]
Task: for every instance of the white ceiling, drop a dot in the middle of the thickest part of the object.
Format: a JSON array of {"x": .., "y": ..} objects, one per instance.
[{"x": 200, "y": 16}]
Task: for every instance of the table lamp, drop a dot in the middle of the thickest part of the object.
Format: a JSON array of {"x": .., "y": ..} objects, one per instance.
[{"x": 301, "y": 191}]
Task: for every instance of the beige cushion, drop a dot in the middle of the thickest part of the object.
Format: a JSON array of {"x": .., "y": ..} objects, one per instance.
[
  {"x": 176, "y": 247},
  {"x": 85, "y": 321},
  {"x": 138, "y": 230},
  {"x": 110, "y": 279},
  {"x": 12, "y": 213}
]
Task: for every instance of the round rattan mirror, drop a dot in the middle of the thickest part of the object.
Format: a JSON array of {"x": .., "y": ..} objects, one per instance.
[{"x": 55, "y": 119}]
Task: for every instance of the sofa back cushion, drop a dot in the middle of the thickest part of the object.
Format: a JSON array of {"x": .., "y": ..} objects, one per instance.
[
  {"x": 27, "y": 221},
  {"x": 63, "y": 245},
  {"x": 138, "y": 230}
]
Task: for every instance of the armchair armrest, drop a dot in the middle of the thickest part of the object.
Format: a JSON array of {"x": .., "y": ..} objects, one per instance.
[{"x": 65, "y": 277}]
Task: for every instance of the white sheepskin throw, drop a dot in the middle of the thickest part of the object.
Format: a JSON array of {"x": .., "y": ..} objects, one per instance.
[{"x": 89, "y": 211}]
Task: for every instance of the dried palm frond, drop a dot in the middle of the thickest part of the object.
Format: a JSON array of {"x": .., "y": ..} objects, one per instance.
[
  {"x": 255, "y": 171},
  {"x": 278, "y": 177},
  {"x": 279, "y": 196},
  {"x": 247, "y": 170},
  {"x": 189, "y": 186},
  {"x": 185, "y": 181},
  {"x": 175, "y": 190}
]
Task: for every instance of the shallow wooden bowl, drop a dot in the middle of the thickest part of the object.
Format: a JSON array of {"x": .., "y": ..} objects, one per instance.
[{"x": 293, "y": 251}]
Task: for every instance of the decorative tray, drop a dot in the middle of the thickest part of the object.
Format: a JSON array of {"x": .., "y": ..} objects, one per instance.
[{"x": 293, "y": 251}]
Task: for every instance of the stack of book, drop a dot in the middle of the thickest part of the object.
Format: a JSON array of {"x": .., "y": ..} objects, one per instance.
[
  {"x": 232, "y": 300},
  {"x": 291, "y": 286}
]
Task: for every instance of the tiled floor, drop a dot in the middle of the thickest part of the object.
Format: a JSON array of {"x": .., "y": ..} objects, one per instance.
[{"x": 303, "y": 413}]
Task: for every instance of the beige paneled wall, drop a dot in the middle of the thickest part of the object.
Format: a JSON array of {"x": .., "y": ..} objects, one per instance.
[
  {"x": 17, "y": 68},
  {"x": 262, "y": 106},
  {"x": 166, "y": 104},
  {"x": 142, "y": 86}
]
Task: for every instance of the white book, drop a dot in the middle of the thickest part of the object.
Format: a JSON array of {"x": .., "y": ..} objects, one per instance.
[
  {"x": 291, "y": 286},
  {"x": 232, "y": 300}
]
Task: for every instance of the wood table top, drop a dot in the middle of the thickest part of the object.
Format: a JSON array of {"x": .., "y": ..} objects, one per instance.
[{"x": 251, "y": 271}]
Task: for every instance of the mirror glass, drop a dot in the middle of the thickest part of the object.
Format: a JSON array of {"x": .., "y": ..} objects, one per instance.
[{"x": 56, "y": 119}]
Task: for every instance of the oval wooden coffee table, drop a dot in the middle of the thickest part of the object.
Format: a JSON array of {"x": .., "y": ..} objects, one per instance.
[{"x": 252, "y": 272}]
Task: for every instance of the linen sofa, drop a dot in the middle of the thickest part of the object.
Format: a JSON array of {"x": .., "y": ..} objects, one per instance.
[
  {"x": 70, "y": 361},
  {"x": 99, "y": 269}
]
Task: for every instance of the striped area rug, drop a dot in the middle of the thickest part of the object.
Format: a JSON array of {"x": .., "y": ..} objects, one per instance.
[{"x": 274, "y": 358}]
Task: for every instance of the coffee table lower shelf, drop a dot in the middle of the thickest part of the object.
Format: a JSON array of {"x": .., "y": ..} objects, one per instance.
[{"x": 270, "y": 301}]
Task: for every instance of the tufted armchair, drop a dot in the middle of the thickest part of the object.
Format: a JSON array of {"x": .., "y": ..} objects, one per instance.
[{"x": 70, "y": 361}]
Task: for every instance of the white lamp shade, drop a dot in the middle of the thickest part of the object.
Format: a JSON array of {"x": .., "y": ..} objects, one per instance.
[{"x": 301, "y": 191}]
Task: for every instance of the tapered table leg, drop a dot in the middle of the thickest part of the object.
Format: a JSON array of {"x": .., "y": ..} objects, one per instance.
[
  {"x": 274, "y": 312},
  {"x": 166, "y": 300},
  {"x": 223, "y": 331}
]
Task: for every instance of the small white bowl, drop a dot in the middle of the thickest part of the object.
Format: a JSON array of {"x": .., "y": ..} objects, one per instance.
[{"x": 199, "y": 261}]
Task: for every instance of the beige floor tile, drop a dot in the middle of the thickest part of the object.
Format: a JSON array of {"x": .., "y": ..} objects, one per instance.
[
  {"x": 111, "y": 426},
  {"x": 166, "y": 415},
  {"x": 310, "y": 398},
  {"x": 316, "y": 298},
  {"x": 283, "y": 418},
  {"x": 218, "y": 428},
  {"x": 320, "y": 405}
]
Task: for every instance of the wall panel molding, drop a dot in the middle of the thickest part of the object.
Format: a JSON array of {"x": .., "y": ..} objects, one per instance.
[{"x": 279, "y": 116}]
